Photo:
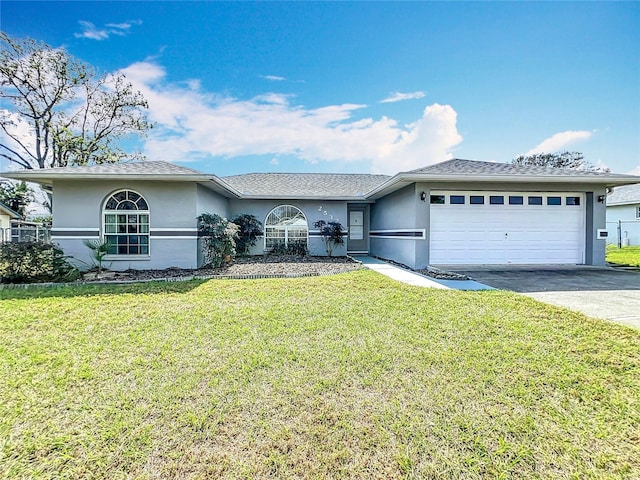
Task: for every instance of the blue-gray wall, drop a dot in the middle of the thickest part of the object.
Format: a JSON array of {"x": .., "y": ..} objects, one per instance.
[
  {"x": 314, "y": 210},
  {"x": 399, "y": 223},
  {"x": 403, "y": 211},
  {"x": 173, "y": 207}
]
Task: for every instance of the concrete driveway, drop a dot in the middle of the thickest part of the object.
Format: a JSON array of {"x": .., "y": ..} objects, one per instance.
[{"x": 600, "y": 292}]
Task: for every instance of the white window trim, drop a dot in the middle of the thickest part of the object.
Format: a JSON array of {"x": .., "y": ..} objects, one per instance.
[{"x": 286, "y": 232}]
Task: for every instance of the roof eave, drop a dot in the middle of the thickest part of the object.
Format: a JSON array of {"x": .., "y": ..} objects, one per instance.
[
  {"x": 300, "y": 197},
  {"x": 403, "y": 179},
  {"x": 46, "y": 179}
]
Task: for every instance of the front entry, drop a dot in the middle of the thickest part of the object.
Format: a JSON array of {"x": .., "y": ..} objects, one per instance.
[{"x": 358, "y": 229}]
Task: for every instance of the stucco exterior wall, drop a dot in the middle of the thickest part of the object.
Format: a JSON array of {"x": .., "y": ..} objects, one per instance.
[
  {"x": 173, "y": 208},
  {"x": 403, "y": 211},
  {"x": 314, "y": 210},
  {"x": 209, "y": 202},
  {"x": 398, "y": 227}
]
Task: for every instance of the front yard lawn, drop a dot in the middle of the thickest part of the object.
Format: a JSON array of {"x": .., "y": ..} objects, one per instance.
[
  {"x": 348, "y": 376},
  {"x": 624, "y": 255}
]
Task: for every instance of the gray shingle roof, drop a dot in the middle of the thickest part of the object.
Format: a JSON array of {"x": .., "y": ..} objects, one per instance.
[
  {"x": 132, "y": 168},
  {"x": 624, "y": 195},
  {"x": 458, "y": 166},
  {"x": 301, "y": 185}
]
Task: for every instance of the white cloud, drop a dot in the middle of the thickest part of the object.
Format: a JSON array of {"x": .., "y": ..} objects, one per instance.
[
  {"x": 192, "y": 124},
  {"x": 561, "y": 141},
  {"x": 274, "y": 161},
  {"x": 273, "y": 78},
  {"x": 89, "y": 30},
  {"x": 399, "y": 97},
  {"x": 635, "y": 171}
]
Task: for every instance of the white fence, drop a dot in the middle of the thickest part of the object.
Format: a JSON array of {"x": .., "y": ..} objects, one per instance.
[
  {"x": 624, "y": 232},
  {"x": 25, "y": 232}
]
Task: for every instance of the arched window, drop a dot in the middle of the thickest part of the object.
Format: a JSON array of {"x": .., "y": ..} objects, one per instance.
[
  {"x": 285, "y": 225},
  {"x": 126, "y": 223}
]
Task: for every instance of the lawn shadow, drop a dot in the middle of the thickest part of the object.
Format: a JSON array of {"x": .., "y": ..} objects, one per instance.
[{"x": 69, "y": 290}]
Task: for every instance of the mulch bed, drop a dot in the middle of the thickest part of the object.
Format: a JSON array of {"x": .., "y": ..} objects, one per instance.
[{"x": 243, "y": 267}]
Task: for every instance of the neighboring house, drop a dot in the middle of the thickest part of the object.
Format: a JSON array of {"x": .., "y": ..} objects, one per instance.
[
  {"x": 6, "y": 215},
  {"x": 623, "y": 215},
  {"x": 454, "y": 212}
]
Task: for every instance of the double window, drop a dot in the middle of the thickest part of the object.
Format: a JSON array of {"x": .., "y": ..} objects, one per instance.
[
  {"x": 285, "y": 226},
  {"x": 126, "y": 223}
]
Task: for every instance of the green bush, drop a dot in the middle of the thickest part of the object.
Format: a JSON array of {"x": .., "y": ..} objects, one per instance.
[
  {"x": 332, "y": 234},
  {"x": 219, "y": 235},
  {"x": 250, "y": 228},
  {"x": 294, "y": 247},
  {"x": 33, "y": 262}
]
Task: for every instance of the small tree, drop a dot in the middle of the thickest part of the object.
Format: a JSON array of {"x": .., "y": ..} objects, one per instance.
[
  {"x": 332, "y": 234},
  {"x": 16, "y": 196},
  {"x": 219, "y": 235},
  {"x": 99, "y": 250},
  {"x": 571, "y": 160},
  {"x": 250, "y": 228}
]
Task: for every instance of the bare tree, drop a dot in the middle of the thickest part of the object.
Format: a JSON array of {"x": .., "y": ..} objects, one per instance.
[
  {"x": 571, "y": 160},
  {"x": 62, "y": 111}
]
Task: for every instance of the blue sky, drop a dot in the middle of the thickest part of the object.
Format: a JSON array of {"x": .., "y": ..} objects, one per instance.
[{"x": 374, "y": 87}]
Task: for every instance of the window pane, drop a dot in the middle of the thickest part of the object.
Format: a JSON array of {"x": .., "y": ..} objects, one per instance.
[
  {"x": 127, "y": 205},
  {"x": 284, "y": 225},
  {"x": 131, "y": 230},
  {"x": 516, "y": 200},
  {"x": 437, "y": 199},
  {"x": 573, "y": 201},
  {"x": 535, "y": 200},
  {"x": 476, "y": 199},
  {"x": 456, "y": 199},
  {"x": 496, "y": 200},
  {"x": 554, "y": 200}
]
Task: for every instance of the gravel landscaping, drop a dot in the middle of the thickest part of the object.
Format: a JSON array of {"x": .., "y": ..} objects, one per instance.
[{"x": 255, "y": 266}]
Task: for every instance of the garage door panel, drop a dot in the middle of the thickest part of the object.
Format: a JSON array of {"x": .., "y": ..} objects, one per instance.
[{"x": 507, "y": 233}]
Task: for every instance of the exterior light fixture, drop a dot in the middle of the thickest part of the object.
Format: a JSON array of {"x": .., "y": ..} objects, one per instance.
[
  {"x": 423, "y": 196},
  {"x": 601, "y": 198}
]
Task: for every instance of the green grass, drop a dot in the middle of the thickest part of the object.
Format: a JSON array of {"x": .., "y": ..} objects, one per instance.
[
  {"x": 349, "y": 376},
  {"x": 624, "y": 255}
]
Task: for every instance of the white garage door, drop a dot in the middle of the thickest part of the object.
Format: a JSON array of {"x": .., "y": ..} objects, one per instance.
[{"x": 507, "y": 227}]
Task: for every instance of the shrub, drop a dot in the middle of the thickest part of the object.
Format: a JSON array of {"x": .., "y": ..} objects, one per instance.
[
  {"x": 332, "y": 234},
  {"x": 99, "y": 250},
  {"x": 219, "y": 236},
  {"x": 250, "y": 228},
  {"x": 294, "y": 248},
  {"x": 32, "y": 262}
]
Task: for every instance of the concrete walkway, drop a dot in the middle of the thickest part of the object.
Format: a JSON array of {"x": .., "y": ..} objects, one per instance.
[{"x": 412, "y": 278}]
